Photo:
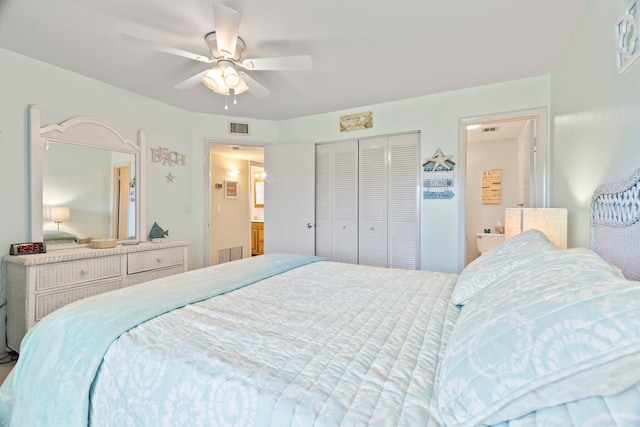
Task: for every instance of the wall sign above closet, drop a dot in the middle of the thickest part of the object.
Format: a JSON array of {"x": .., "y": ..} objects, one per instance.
[{"x": 356, "y": 121}]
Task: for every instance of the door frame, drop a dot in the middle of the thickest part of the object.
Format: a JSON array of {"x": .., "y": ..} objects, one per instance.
[
  {"x": 541, "y": 170},
  {"x": 206, "y": 161},
  {"x": 120, "y": 200}
]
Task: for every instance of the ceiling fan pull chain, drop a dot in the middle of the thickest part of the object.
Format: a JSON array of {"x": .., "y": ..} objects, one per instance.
[
  {"x": 235, "y": 101},
  {"x": 226, "y": 106}
]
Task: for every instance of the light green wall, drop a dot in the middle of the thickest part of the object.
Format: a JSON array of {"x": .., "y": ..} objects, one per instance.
[
  {"x": 61, "y": 95},
  {"x": 595, "y": 116}
]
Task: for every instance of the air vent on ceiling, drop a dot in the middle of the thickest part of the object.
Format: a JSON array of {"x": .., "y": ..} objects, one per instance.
[
  {"x": 238, "y": 128},
  {"x": 490, "y": 129}
]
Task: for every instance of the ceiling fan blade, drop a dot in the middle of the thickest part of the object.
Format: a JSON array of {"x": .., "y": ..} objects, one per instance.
[
  {"x": 301, "y": 62},
  {"x": 227, "y": 24},
  {"x": 255, "y": 88},
  {"x": 166, "y": 49},
  {"x": 191, "y": 81}
]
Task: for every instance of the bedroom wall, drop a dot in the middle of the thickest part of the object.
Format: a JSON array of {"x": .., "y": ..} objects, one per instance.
[
  {"x": 595, "y": 116},
  {"x": 61, "y": 95},
  {"x": 437, "y": 118}
]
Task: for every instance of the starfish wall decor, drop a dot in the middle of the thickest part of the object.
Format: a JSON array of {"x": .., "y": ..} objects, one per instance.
[
  {"x": 439, "y": 162},
  {"x": 438, "y": 177}
]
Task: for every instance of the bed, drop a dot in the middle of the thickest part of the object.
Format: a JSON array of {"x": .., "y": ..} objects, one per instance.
[{"x": 526, "y": 335}]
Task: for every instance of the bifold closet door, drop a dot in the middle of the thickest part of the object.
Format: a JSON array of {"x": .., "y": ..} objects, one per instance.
[
  {"x": 404, "y": 201},
  {"x": 389, "y": 201},
  {"x": 337, "y": 201},
  {"x": 368, "y": 200},
  {"x": 372, "y": 244}
]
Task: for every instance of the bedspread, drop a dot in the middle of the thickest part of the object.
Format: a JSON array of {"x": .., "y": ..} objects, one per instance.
[
  {"x": 60, "y": 356},
  {"x": 323, "y": 344}
]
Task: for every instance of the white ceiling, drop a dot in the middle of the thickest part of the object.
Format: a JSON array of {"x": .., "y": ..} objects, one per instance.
[{"x": 364, "y": 52}]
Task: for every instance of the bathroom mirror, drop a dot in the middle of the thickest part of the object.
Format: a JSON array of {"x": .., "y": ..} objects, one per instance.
[
  {"x": 258, "y": 193},
  {"x": 87, "y": 182}
]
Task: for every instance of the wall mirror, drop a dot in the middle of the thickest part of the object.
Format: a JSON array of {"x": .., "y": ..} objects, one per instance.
[
  {"x": 87, "y": 182},
  {"x": 258, "y": 193}
]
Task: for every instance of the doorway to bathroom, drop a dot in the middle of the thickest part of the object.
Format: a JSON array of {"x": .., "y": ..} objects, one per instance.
[
  {"x": 233, "y": 200},
  {"x": 504, "y": 167}
]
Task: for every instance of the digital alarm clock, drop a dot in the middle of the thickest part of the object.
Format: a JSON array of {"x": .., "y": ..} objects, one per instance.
[{"x": 28, "y": 248}]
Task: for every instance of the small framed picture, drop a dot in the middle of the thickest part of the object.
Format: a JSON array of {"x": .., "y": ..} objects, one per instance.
[{"x": 231, "y": 189}]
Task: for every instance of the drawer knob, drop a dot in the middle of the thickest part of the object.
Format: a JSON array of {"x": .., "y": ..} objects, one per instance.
[
  {"x": 83, "y": 272},
  {"x": 159, "y": 259}
]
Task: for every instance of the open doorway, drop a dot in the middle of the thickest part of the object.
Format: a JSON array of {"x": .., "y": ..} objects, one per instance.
[
  {"x": 120, "y": 218},
  {"x": 503, "y": 165},
  {"x": 231, "y": 214}
]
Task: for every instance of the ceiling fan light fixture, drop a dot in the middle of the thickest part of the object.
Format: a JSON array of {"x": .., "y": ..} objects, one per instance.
[
  {"x": 212, "y": 78},
  {"x": 231, "y": 77},
  {"x": 241, "y": 87},
  {"x": 224, "y": 79}
]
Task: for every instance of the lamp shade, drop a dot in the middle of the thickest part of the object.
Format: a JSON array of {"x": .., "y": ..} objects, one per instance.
[
  {"x": 231, "y": 77},
  {"x": 214, "y": 81},
  {"x": 242, "y": 87},
  {"x": 551, "y": 221},
  {"x": 222, "y": 78},
  {"x": 60, "y": 213}
]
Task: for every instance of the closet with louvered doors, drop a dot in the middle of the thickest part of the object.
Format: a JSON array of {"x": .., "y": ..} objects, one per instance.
[
  {"x": 337, "y": 201},
  {"x": 379, "y": 192}
]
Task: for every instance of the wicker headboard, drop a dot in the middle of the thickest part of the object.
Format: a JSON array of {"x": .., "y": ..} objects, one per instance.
[{"x": 615, "y": 224}]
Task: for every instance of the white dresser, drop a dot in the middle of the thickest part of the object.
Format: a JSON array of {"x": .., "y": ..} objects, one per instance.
[{"x": 39, "y": 284}]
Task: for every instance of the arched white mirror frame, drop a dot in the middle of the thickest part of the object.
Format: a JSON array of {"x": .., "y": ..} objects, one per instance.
[{"x": 88, "y": 132}]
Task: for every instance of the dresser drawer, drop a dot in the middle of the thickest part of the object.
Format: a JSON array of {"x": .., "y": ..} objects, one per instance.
[
  {"x": 71, "y": 272},
  {"x": 46, "y": 303},
  {"x": 134, "y": 279},
  {"x": 151, "y": 260}
]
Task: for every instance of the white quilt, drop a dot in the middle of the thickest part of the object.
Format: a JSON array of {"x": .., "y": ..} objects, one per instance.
[{"x": 325, "y": 344}]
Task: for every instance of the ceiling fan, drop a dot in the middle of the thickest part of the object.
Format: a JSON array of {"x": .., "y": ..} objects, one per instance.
[{"x": 227, "y": 49}]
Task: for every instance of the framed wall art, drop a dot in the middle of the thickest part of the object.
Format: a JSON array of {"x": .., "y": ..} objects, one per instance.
[{"x": 231, "y": 189}]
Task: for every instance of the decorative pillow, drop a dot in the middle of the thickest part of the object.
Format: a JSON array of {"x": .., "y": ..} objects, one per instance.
[
  {"x": 520, "y": 249},
  {"x": 562, "y": 328}
]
